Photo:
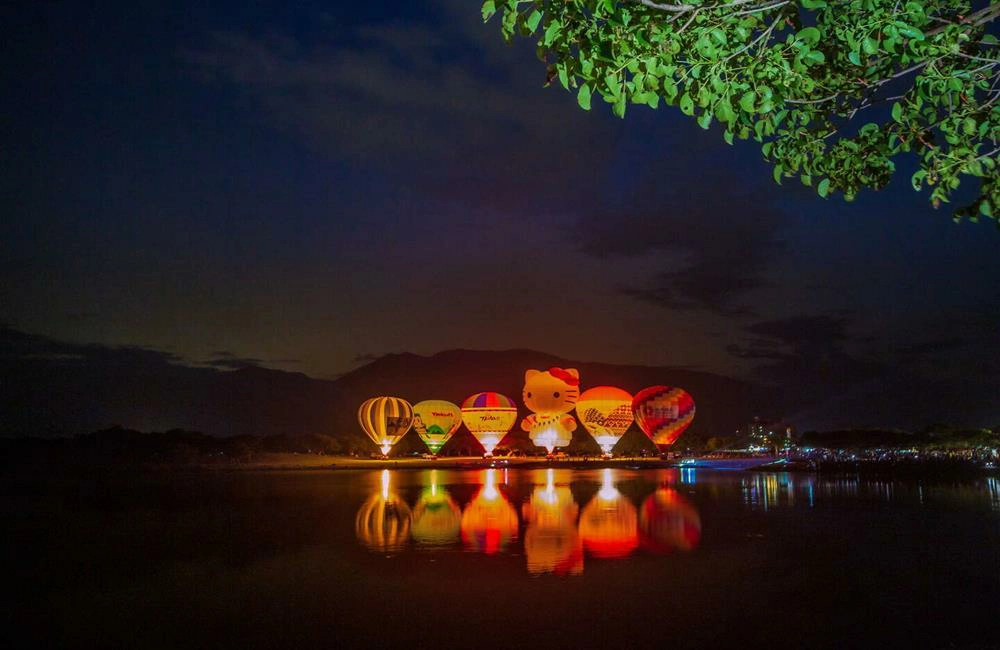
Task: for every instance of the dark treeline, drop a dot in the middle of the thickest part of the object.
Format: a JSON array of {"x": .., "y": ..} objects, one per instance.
[{"x": 937, "y": 436}]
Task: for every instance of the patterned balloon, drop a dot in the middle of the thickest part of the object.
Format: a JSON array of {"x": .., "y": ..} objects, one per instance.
[
  {"x": 489, "y": 416},
  {"x": 385, "y": 420},
  {"x": 606, "y": 412},
  {"x": 609, "y": 524},
  {"x": 668, "y": 522},
  {"x": 489, "y": 522},
  {"x": 663, "y": 413},
  {"x": 435, "y": 420}
]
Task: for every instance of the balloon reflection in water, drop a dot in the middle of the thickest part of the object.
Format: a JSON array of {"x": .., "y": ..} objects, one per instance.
[
  {"x": 436, "y": 517},
  {"x": 551, "y": 541},
  {"x": 489, "y": 522},
  {"x": 383, "y": 521},
  {"x": 609, "y": 524},
  {"x": 667, "y": 522}
]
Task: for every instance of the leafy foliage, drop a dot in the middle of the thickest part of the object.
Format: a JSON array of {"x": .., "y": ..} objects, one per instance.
[{"x": 796, "y": 76}]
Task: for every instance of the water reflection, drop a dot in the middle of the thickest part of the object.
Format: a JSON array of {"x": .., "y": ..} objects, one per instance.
[
  {"x": 609, "y": 524},
  {"x": 383, "y": 521},
  {"x": 489, "y": 521},
  {"x": 668, "y": 522},
  {"x": 436, "y": 516},
  {"x": 551, "y": 541}
]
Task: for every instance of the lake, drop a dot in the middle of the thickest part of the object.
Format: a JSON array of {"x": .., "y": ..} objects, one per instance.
[{"x": 546, "y": 558}]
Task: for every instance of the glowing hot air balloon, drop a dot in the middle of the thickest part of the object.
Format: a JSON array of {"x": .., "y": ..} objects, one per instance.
[
  {"x": 606, "y": 412},
  {"x": 435, "y": 421},
  {"x": 383, "y": 521},
  {"x": 489, "y": 416},
  {"x": 489, "y": 522},
  {"x": 609, "y": 524},
  {"x": 668, "y": 522},
  {"x": 550, "y": 395},
  {"x": 385, "y": 420},
  {"x": 663, "y": 413},
  {"x": 436, "y": 517},
  {"x": 551, "y": 541}
]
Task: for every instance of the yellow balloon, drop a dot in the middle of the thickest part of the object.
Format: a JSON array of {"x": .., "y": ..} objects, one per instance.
[
  {"x": 606, "y": 412},
  {"x": 385, "y": 420},
  {"x": 435, "y": 420},
  {"x": 383, "y": 520},
  {"x": 489, "y": 416}
]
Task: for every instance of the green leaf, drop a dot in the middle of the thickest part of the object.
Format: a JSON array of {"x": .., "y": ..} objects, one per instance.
[
  {"x": 533, "y": 20},
  {"x": 779, "y": 171},
  {"x": 489, "y": 8},
  {"x": 897, "y": 112},
  {"x": 727, "y": 135},
  {"x": 808, "y": 35},
  {"x": 583, "y": 97},
  {"x": 918, "y": 178},
  {"x": 551, "y": 32},
  {"x": 747, "y": 101},
  {"x": 815, "y": 57},
  {"x": 910, "y": 31},
  {"x": 618, "y": 108},
  {"x": 823, "y": 188},
  {"x": 854, "y": 57},
  {"x": 686, "y": 104},
  {"x": 563, "y": 76}
]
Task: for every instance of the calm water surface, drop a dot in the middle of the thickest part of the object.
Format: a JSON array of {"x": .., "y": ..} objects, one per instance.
[{"x": 501, "y": 558}]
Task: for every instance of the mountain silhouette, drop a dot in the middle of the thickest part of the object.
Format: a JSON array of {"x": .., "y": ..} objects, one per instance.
[{"x": 57, "y": 388}]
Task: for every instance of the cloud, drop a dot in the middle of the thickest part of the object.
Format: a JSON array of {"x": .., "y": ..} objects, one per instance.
[
  {"x": 16, "y": 345},
  {"x": 441, "y": 99},
  {"x": 228, "y": 361},
  {"x": 717, "y": 246}
]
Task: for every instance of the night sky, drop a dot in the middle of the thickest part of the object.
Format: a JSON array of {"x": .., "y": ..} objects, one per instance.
[{"x": 305, "y": 187}]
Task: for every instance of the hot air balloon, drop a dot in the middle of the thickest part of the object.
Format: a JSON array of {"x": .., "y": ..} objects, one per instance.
[
  {"x": 436, "y": 517},
  {"x": 668, "y": 522},
  {"x": 550, "y": 395},
  {"x": 435, "y": 420},
  {"x": 489, "y": 522},
  {"x": 385, "y": 420},
  {"x": 489, "y": 416},
  {"x": 609, "y": 524},
  {"x": 663, "y": 413},
  {"x": 383, "y": 520},
  {"x": 606, "y": 412},
  {"x": 551, "y": 541}
]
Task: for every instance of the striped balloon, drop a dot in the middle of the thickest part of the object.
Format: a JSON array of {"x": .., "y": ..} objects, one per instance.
[
  {"x": 385, "y": 420},
  {"x": 663, "y": 413},
  {"x": 489, "y": 416}
]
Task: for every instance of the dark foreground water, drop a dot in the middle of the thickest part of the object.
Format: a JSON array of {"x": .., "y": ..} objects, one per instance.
[{"x": 500, "y": 558}]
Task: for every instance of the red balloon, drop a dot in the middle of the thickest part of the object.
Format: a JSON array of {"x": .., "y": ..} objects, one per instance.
[{"x": 663, "y": 413}]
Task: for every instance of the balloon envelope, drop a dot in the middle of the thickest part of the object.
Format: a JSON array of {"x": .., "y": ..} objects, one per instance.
[
  {"x": 385, "y": 420},
  {"x": 663, "y": 413},
  {"x": 609, "y": 524},
  {"x": 489, "y": 522},
  {"x": 668, "y": 522},
  {"x": 606, "y": 412},
  {"x": 489, "y": 416},
  {"x": 435, "y": 420},
  {"x": 383, "y": 520}
]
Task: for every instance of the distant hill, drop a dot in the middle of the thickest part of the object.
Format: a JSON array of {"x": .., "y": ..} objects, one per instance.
[{"x": 55, "y": 388}]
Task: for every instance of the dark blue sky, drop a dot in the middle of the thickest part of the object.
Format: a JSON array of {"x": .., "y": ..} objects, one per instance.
[{"x": 306, "y": 185}]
